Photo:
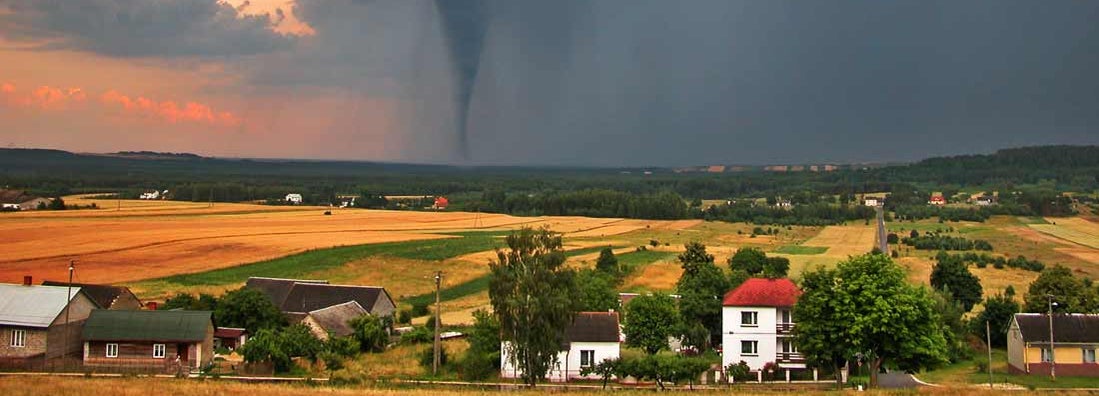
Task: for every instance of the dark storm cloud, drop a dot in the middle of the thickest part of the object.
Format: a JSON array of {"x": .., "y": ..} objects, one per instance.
[
  {"x": 641, "y": 82},
  {"x": 141, "y": 27}
]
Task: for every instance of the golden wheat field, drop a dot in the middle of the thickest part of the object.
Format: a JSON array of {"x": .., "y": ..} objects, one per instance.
[{"x": 160, "y": 238}]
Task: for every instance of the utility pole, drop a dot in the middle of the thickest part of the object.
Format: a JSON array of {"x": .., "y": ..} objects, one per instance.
[
  {"x": 68, "y": 300},
  {"x": 435, "y": 363},
  {"x": 988, "y": 341},
  {"x": 1052, "y": 349}
]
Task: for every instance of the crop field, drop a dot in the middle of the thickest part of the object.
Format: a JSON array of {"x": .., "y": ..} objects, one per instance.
[
  {"x": 1075, "y": 230},
  {"x": 832, "y": 245},
  {"x": 160, "y": 238}
]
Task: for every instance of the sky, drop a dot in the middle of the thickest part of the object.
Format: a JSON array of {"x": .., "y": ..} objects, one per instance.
[{"x": 562, "y": 82}]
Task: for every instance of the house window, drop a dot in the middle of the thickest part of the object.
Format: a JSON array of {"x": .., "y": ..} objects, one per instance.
[
  {"x": 786, "y": 316},
  {"x": 749, "y": 348},
  {"x": 18, "y": 338},
  {"x": 112, "y": 350},
  {"x": 749, "y": 318},
  {"x": 587, "y": 358},
  {"x": 1089, "y": 355},
  {"x": 1047, "y": 355},
  {"x": 158, "y": 351},
  {"x": 788, "y": 347}
]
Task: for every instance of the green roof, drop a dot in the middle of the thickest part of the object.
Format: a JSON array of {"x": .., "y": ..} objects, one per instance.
[{"x": 122, "y": 325}]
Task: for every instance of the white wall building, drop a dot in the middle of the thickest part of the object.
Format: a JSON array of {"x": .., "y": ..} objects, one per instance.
[
  {"x": 294, "y": 199},
  {"x": 592, "y": 338},
  {"x": 757, "y": 326}
]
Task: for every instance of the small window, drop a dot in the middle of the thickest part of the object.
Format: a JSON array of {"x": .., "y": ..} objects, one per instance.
[
  {"x": 750, "y": 348},
  {"x": 786, "y": 316},
  {"x": 158, "y": 351},
  {"x": 1047, "y": 355},
  {"x": 1089, "y": 355},
  {"x": 18, "y": 338},
  {"x": 749, "y": 318},
  {"x": 587, "y": 358},
  {"x": 112, "y": 350},
  {"x": 788, "y": 347}
]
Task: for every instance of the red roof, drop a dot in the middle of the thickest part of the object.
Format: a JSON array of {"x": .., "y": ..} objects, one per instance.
[
  {"x": 228, "y": 332},
  {"x": 441, "y": 202},
  {"x": 760, "y": 292}
]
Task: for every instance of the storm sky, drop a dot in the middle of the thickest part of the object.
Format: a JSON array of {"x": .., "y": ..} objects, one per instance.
[{"x": 558, "y": 82}]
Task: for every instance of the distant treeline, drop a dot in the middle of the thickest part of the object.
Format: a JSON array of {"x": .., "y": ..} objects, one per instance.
[{"x": 1029, "y": 180}]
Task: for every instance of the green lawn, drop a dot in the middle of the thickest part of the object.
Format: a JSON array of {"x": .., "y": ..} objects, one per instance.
[
  {"x": 467, "y": 288},
  {"x": 301, "y": 264},
  {"x": 798, "y": 249},
  {"x": 633, "y": 260},
  {"x": 588, "y": 250}
]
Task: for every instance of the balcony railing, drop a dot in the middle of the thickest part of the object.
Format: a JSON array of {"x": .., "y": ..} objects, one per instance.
[
  {"x": 783, "y": 328},
  {"x": 790, "y": 357}
]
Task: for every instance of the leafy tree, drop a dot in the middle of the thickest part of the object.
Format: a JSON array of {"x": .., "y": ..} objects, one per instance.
[
  {"x": 776, "y": 267},
  {"x": 954, "y": 327},
  {"x": 607, "y": 263},
  {"x": 249, "y": 309},
  {"x": 700, "y": 289},
  {"x": 179, "y": 301},
  {"x": 533, "y": 296},
  {"x": 736, "y": 278},
  {"x": 738, "y": 372},
  {"x": 57, "y": 204},
  {"x": 483, "y": 356},
  {"x": 370, "y": 332},
  {"x": 1068, "y": 292},
  {"x": 892, "y": 238},
  {"x": 279, "y": 345},
  {"x": 596, "y": 291},
  {"x": 604, "y": 369},
  {"x": 951, "y": 273},
  {"x": 998, "y": 312},
  {"x": 750, "y": 260},
  {"x": 866, "y": 306},
  {"x": 650, "y": 320}
]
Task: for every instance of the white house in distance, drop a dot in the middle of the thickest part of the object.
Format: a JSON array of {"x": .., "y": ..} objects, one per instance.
[
  {"x": 592, "y": 338},
  {"x": 294, "y": 199},
  {"x": 757, "y": 325}
]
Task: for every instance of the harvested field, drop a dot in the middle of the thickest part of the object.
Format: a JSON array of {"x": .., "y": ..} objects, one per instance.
[
  {"x": 1073, "y": 229},
  {"x": 838, "y": 242},
  {"x": 150, "y": 239}
]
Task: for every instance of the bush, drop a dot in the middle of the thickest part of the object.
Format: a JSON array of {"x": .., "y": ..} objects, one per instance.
[
  {"x": 418, "y": 335},
  {"x": 427, "y": 357},
  {"x": 404, "y": 316},
  {"x": 738, "y": 372},
  {"x": 476, "y": 366},
  {"x": 419, "y": 310}
]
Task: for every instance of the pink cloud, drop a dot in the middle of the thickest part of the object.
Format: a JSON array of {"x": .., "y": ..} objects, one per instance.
[
  {"x": 170, "y": 111},
  {"x": 43, "y": 98}
]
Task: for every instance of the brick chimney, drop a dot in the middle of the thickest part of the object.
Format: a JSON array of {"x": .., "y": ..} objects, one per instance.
[{"x": 27, "y": 280}]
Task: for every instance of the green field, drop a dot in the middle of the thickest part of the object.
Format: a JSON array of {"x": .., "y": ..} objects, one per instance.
[{"x": 803, "y": 250}]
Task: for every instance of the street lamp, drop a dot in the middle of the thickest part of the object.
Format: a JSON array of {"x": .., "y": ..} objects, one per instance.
[{"x": 1052, "y": 350}]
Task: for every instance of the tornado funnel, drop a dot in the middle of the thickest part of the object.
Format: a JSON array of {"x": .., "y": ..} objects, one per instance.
[{"x": 464, "y": 23}]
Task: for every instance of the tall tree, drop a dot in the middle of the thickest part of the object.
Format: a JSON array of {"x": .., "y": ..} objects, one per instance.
[
  {"x": 700, "y": 289},
  {"x": 775, "y": 267},
  {"x": 533, "y": 296},
  {"x": 750, "y": 260},
  {"x": 650, "y": 320},
  {"x": 998, "y": 311},
  {"x": 1069, "y": 292},
  {"x": 866, "y": 306},
  {"x": 596, "y": 291},
  {"x": 249, "y": 309},
  {"x": 607, "y": 263},
  {"x": 951, "y": 273},
  {"x": 369, "y": 331}
]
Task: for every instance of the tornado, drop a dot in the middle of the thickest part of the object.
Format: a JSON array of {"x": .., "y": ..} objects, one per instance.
[{"x": 464, "y": 23}]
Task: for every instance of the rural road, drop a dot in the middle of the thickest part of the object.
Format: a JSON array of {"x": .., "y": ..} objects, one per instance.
[{"x": 883, "y": 242}]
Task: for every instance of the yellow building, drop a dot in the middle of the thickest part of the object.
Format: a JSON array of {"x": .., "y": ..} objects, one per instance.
[{"x": 1075, "y": 340}]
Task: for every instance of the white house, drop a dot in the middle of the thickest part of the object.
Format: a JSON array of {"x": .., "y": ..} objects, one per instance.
[
  {"x": 757, "y": 325},
  {"x": 592, "y": 338},
  {"x": 150, "y": 195},
  {"x": 294, "y": 199},
  {"x": 872, "y": 201}
]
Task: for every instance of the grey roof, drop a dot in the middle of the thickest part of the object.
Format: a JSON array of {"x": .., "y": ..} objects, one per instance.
[
  {"x": 1074, "y": 328},
  {"x": 32, "y": 306},
  {"x": 593, "y": 327},
  {"x": 134, "y": 325},
  {"x": 103, "y": 295},
  {"x": 308, "y": 297},
  {"x": 334, "y": 319},
  {"x": 276, "y": 289}
]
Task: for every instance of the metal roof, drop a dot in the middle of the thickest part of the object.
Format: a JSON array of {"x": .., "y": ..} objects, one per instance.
[
  {"x": 32, "y": 306},
  {"x": 125, "y": 325}
]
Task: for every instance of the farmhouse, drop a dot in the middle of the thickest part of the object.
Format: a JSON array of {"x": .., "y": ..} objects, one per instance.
[
  {"x": 166, "y": 341},
  {"x": 105, "y": 296},
  {"x": 20, "y": 200},
  {"x": 230, "y": 338},
  {"x": 757, "y": 325},
  {"x": 333, "y": 321},
  {"x": 294, "y": 199},
  {"x": 440, "y": 203},
  {"x": 1075, "y": 339},
  {"x": 305, "y": 296},
  {"x": 592, "y": 338},
  {"x": 872, "y": 201},
  {"x": 150, "y": 195},
  {"x": 937, "y": 199},
  {"x": 33, "y": 324}
]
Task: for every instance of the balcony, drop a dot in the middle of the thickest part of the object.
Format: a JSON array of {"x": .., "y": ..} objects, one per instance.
[
  {"x": 789, "y": 357},
  {"x": 784, "y": 328}
]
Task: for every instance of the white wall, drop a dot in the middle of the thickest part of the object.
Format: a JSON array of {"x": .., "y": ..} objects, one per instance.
[
  {"x": 733, "y": 332},
  {"x": 568, "y": 361}
]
